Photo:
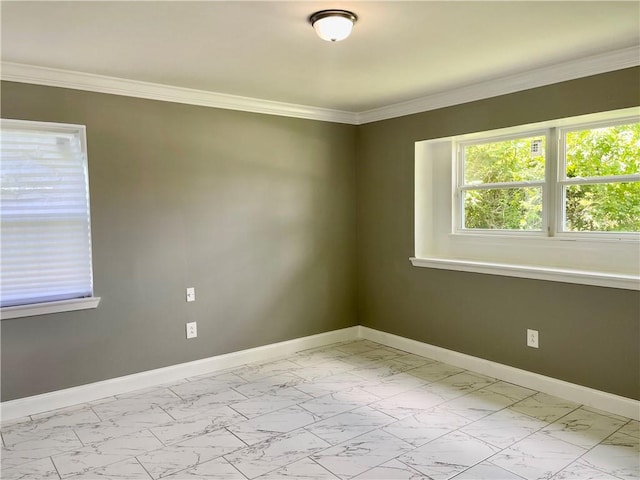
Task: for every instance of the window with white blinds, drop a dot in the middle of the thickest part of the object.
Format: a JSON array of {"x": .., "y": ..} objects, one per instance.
[{"x": 45, "y": 230}]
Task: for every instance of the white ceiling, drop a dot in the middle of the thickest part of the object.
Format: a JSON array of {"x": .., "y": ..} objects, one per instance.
[{"x": 398, "y": 50}]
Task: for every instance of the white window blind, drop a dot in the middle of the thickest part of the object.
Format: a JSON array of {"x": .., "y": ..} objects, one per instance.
[{"x": 45, "y": 236}]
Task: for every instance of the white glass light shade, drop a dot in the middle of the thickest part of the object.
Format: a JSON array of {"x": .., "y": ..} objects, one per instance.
[
  {"x": 333, "y": 25},
  {"x": 333, "y": 29}
]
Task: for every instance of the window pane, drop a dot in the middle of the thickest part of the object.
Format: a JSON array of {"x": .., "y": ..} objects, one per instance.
[
  {"x": 507, "y": 161},
  {"x": 45, "y": 239},
  {"x": 503, "y": 209},
  {"x": 604, "y": 207},
  {"x": 603, "y": 151}
]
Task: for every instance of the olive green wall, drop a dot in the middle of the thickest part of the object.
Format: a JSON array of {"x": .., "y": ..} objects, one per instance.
[
  {"x": 290, "y": 227},
  {"x": 255, "y": 211},
  {"x": 588, "y": 335}
]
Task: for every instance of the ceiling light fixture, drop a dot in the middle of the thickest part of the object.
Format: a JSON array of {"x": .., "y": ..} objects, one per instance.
[{"x": 333, "y": 25}]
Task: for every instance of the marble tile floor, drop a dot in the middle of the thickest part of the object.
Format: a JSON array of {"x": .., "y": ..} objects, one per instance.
[{"x": 353, "y": 410}]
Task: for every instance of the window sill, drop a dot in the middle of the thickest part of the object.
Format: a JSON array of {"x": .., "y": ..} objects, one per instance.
[
  {"x": 7, "y": 313},
  {"x": 584, "y": 277}
]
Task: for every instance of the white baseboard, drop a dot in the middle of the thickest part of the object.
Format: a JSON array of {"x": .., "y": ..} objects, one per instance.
[
  {"x": 590, "y": 397},
  {"x": 94, "y": 391}
]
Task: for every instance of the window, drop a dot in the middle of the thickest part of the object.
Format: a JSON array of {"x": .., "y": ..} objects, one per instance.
[
  {"x": 556, "y": 200},
  {"x": 600, "y": 179},
  {"x": 45, "y": 249},
  {"x": 503, "y": 183}
]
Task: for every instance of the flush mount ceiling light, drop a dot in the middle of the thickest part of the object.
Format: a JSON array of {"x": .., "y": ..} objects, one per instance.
[{"x": 333, "y": 25}]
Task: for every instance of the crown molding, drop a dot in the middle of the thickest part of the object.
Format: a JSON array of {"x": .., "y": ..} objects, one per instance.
[
  {"x": 561, "y": 72},
  {"x": 54, "y": 77}
]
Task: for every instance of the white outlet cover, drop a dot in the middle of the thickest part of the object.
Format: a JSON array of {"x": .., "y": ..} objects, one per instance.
[
  {"x": 191, "y": 294},
  {"x": 192, "y": 330},
  {"x": 532, "y": 338}
]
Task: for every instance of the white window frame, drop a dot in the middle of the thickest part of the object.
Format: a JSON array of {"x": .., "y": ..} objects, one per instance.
[
  {"x": 610, "y": 259},
  {"x": 65, "y": 305},
  {"x": 561, "y": 180},
  {"x": 458, "y": 218}
]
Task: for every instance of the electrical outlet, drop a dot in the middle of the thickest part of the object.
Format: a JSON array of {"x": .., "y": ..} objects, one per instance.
[
  {"x": 532, "y": 338},
  {"x": 191, "y": 294},
  {"x": 192, "y": 330}
]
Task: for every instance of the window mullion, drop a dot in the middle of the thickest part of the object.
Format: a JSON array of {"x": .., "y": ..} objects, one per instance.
[{"x": 551, "y": 212}]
